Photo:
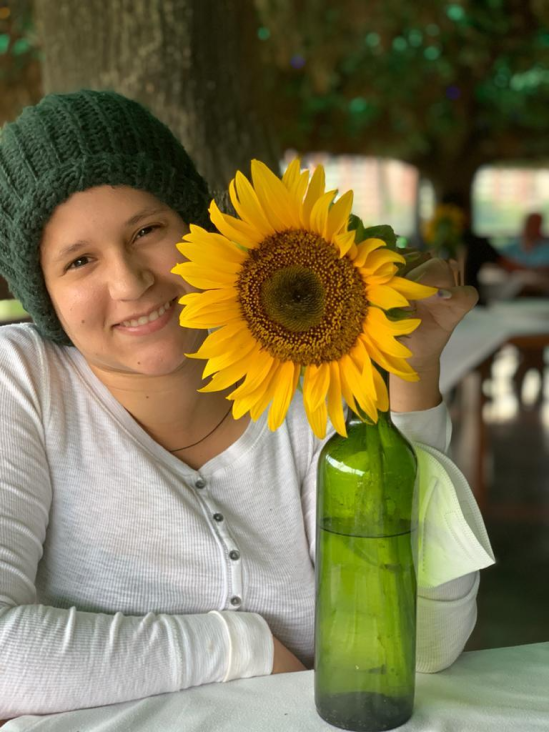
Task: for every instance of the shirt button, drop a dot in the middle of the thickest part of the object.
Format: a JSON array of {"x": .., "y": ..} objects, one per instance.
[
  {"x": 200, "y": 483},
  {"x": 235, "y": 601},
  {"x": 218, "y": 517},
  {"x": 234, "y": 555}
]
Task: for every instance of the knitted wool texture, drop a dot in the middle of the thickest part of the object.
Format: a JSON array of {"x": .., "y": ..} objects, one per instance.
[{"x": 69, "y": 143}]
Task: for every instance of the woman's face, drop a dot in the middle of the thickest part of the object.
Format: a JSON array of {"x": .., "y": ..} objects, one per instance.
[{"x": 106, "y": 255}]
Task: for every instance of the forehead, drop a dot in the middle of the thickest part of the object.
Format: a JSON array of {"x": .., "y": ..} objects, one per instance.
[{"x": 93, "y": 212}]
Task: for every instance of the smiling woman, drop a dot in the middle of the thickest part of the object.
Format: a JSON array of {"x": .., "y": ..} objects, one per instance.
[
  {"x": 113, "y": 284},
  {"x": 149, "y": 539}
]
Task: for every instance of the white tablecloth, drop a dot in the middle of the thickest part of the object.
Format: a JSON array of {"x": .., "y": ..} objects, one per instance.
[
  {"x": 500, "y": 690},
  {"x": 484, "y": 330}
]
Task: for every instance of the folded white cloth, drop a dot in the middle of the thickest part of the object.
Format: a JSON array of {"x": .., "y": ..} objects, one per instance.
[{"x": 452, "y": 536}]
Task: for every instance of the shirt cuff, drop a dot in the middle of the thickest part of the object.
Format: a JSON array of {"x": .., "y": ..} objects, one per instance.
[
  {"x": 431, "y": 427},
  {"x": 249, "y": 644}
]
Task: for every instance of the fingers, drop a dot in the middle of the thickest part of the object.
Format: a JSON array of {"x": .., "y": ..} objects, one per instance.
[
  {"x": 458, "y": 271},
  {"x": 461, "y": 298},
  {"x": 414, "y": 258},
  {"x": 433, "y": 272}
]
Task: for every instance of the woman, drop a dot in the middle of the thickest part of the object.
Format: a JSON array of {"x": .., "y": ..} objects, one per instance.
[{"x": 148, "y": 541}]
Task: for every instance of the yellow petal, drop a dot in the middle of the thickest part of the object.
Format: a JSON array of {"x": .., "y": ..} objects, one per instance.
[
  {"x": 248, "y": 402},
  {"x": 205, "y": 278},
  {"x": 381, "y": 391},
  {"x": 318, "y": 420},
  {"x": 353, "y": 251},
  {"x": 319, "y": 214},
  {"x": 352, "y": 378},
  {"x": 396, "y": 366},
  {"x": 388, "y": 344},
  {"x": 338, "y": 215},
  {"x": 365, "y": 248},
  {"x": 284, "y": 391},
  {"x": 361, "y": 357},
  {"x": 381, "y": 258},
  {"x": 215, "y": 342},
  {"x": 412, "y": 290},
  {"x": 396, "y": 327},
  {"x": 335, "y": 405},
  {"x": 205, "y": 246},
  {"x": 229, "y": 376},
  {"x": 213, "y": 317},
  {"x": 275, "y": 199},
  {"x": 257, "y": 374},
  {"x": 385, "y": 297},
  {"x": 242, "y": 346},
  {"x": 292, "y": 174},
  {"x": 235, "y": 229},
  {"x": 300, "y": 189},
  {"x": 315, "y": 385},
  {"x": 383, "y": 275},
  {"x": 267, "y": 392},
  {"x": 296, "y": 182},
  {"x": 345, "y": 242},
  {"x": 197, "y": 301},
  {"x": 247, "y": 206},
  {"x": 314, "y": 192}
]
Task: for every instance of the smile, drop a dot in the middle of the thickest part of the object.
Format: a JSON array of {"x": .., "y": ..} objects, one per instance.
[
  {"x": 152, "y": 322},
  {"x": 151, "y": 317}
]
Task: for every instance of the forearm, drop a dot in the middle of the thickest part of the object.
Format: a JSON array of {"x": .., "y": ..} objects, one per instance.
[
  {"x": 57, "y": 660},
  {"x": 416, "y": 396}
]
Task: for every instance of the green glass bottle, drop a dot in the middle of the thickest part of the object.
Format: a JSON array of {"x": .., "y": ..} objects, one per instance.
[{"x": 365, "y": 629}]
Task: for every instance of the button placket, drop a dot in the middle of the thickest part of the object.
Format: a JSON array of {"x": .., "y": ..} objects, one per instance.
[{"x": 218, "y": 523}]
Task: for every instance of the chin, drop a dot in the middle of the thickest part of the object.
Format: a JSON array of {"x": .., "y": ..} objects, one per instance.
[{"x": 158, "y": 365}]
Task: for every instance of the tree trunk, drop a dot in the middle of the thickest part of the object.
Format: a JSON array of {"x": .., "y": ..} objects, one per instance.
[{"x": 194, "y": 63}]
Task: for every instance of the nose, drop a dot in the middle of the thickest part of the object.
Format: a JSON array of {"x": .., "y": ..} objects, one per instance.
[{"x": 129, "y": 277}]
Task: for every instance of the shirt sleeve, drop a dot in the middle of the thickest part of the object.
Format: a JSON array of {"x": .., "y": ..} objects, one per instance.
[
  {"x": 431, "y": 427},
  {"x": 446, "y": 614},
  {"x": 55, "y": 659}
]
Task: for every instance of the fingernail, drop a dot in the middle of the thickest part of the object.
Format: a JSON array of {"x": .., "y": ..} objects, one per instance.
[{"x": 444, "y": 294}]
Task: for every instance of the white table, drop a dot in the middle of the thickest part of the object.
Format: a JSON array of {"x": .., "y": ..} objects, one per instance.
[
  {"x": 484, "y": 330},
  {"x": 500, "y": 690}
]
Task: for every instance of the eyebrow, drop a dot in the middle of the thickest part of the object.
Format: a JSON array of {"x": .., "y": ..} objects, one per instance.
[
  {"x": 132, "y": 221},
  {"x": 143, "y": 214}
]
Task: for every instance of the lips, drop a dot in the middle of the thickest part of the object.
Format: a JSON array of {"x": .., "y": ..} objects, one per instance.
[{"x": 149, "y": 317}]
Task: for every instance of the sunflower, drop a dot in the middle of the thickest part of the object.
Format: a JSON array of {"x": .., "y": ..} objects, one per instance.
[{"x": 288, "y": 292}]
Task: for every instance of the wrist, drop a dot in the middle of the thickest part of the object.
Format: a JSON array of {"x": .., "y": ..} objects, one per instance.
[{"x": 416, "y": 396}]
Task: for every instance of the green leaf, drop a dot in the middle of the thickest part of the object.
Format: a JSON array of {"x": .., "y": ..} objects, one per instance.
[
  {"x": 398, "y": 314},
  {"x": 383, "y": 232}
]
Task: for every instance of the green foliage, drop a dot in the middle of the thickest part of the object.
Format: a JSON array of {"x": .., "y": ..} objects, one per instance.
[
  {"x": 18, "y": 41},
  {"x": 427, "y": 82}
]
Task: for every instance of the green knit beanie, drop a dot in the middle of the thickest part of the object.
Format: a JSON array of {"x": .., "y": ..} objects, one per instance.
[{"x": 69, "y": 143}]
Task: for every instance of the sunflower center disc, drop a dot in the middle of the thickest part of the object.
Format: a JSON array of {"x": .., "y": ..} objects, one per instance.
[
  {"x": 294, "y": 297},
  {"x": 301, "y": 301}
]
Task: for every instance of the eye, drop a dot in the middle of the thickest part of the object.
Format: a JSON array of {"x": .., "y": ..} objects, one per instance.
[
  {"x": 78, "y": 263},
  {"x": 146, "y": 230}
]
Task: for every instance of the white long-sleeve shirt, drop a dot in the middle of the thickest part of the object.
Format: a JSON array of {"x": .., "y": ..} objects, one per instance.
[{"x": 114, "y": 553}]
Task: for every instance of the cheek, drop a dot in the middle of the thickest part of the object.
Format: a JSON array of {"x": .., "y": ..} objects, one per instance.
[{"x": 78, "y": 308}]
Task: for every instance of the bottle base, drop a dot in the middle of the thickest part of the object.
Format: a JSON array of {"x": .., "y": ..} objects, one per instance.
[{"x": 365, "y": 711}]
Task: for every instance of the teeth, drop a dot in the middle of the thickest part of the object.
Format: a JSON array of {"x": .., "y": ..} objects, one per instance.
[{"x": 147, "y": 318}]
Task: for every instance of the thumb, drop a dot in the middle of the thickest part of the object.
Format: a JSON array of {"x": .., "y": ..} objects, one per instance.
[{"x": 463, "y": 293}]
